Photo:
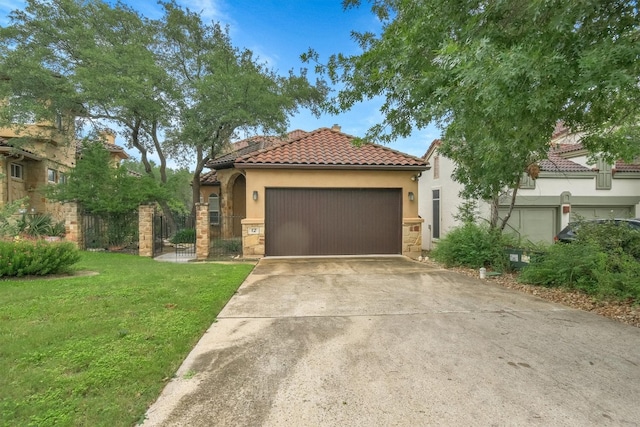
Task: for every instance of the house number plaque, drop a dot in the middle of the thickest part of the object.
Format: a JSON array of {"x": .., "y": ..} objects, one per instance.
[{"x": 254, "y": 230}]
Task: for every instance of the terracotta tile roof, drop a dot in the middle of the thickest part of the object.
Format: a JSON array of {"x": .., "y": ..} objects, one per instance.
[
  {"x": 250, "y": 145},
  {"x": 209, "y": 178},
  {"x": 112, "y": 148},
  {"x": 622, "y": 167},
  {"x": 7, "y": 148},
  {"x": 330, "y": 148},
  {"x": 556, "y": 163},
  {"x": 566, "y": 148}
]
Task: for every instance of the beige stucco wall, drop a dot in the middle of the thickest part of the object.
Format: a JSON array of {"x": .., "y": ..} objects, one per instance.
[{"x": 260, "y": 179}]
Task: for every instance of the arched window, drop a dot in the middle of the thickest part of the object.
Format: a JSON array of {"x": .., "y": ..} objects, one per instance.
[{"x": 214, "y": 209}]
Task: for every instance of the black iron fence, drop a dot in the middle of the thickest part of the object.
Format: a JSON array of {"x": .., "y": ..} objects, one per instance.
[
  {"x": 112, "y": 232},
  {"x": 179, "y": 238},
  {"x": 226, "y": 237}
]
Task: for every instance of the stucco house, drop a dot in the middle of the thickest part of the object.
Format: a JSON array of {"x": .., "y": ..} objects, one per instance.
[
  {"x": 568, "y": 187},
  {"x": 315, "y": 193},
  {"x": 36, "y": 155}
]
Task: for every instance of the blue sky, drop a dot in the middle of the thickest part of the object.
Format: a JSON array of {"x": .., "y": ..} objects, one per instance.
[{"x": 278, "y": 31}]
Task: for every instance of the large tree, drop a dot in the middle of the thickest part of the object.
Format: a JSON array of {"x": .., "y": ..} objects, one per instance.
[
  {"x": 223, "y": 89},
  {"x": 103, "y": 189},
  {"x": 497, "y": 76},
  {"x": 170, "y": 86}
]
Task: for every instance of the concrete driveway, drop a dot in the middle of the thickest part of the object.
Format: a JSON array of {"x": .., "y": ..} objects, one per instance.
[{"x": 391, "y": 342}]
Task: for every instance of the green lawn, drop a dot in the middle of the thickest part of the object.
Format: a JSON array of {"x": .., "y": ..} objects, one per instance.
[{"x": 97, "y": 350}]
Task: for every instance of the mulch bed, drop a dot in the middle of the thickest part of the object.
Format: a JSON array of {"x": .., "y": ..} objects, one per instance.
[{"x": 627, "y": 311}]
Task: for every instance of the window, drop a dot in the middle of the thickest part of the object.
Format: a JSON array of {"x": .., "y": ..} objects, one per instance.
[
  {"x": 62, "y": 178},
  {"x": 52, "y": 175},
  {"x": 436, "y": 214},
  {"x": 436, "y": 167},
  {"x": 17, "y": 171},
  {"x": 214, "y": 209}
]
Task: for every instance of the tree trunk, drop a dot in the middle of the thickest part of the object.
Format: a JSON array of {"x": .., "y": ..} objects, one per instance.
[
  {"x": 511, "y": 206},
  {"x": 495, "y": 204},
  {"x": 201, "y": 160}
]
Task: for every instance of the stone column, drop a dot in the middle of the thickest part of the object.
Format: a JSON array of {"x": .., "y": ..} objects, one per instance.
[
  {"x": 73, "y": 224},
  {"x": 253, "y": 238},
  {"x": 412, "y": 237},
  {"x": 203, "y": 231},
  {"x": 145, "y": 229}
]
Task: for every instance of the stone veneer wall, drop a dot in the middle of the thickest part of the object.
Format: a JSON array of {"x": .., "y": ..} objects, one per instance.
[
  {"x": 412, "y": 237},
  {"x": 145, "y": 224},
  {"x": 252, "y": 238},
  {"x": 73, "y": 224},
  {"x": 202, "y": 231}
]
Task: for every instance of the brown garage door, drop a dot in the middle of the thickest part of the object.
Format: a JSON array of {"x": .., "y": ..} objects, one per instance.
[{"x": 333, "y": 221}]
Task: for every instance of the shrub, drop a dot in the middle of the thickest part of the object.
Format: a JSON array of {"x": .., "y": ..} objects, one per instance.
[
  {"x": 473, "y": 246},
  {"x": 40, "y": 225},
  {"x": 602, "y": 261},
  {"x": 25, "y": 257},
  {"x": 186, "y": 235},
  {"x": 228, "y": 246}
]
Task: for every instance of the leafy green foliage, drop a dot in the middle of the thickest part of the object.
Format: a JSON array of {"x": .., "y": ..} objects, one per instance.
[
  {"x": 473, "y": 246},
  {"x": 177, "y": 187},
  {"x": 8, "y": 222},
  {"x": 98, "y": 350},
  {"x": 25, "y": 257},
  {"x": 227, "y": 246},
  {"x": 186, "y": 235},
  {"x": 497, "y": 77},
  {"x": 102, "y": 188},
  {"x": 175, "y": 76},
  {"x": 40, "y": 225},
  {"x": 603, "y": 261}
]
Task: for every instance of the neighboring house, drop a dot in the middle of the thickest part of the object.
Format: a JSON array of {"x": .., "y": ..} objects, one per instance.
[
  {"x": 317, "y": 194},
  {"x": 568, "y": 187},
  {"x": 45, "y": 157}
]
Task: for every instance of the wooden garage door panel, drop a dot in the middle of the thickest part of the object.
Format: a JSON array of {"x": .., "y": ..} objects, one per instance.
[
  {"x": 336, "y": 221},
  {"x": 532, "y": 224},
  {"x": 600, "y": 212}
]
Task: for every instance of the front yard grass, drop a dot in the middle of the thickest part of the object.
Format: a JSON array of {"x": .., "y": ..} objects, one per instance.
[{"x": 97, "y": 350}]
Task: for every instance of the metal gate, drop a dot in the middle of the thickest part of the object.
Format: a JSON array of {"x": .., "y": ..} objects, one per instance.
[
  {"x": 184, "y": 237},
  {"x": 180, "y": 239}
]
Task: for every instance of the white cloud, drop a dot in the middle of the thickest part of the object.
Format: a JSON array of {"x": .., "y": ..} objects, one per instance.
[{"x": 208, "y": 9}]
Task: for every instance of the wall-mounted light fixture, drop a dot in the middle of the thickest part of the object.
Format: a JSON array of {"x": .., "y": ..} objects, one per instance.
[
  {"x": 415, "y": 177},
  {"x": 255, "y": 194},
  {"x": 411, "y": 196}
]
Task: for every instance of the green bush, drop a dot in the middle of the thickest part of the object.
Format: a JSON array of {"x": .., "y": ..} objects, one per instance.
[
  {"x": 186, "y": 235},
  {"x": 228, "y": 246},
  {"x": 22, "y": 258},
  {"x": 473, "y": 246},
  {"x": 602, "y": 261}
]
